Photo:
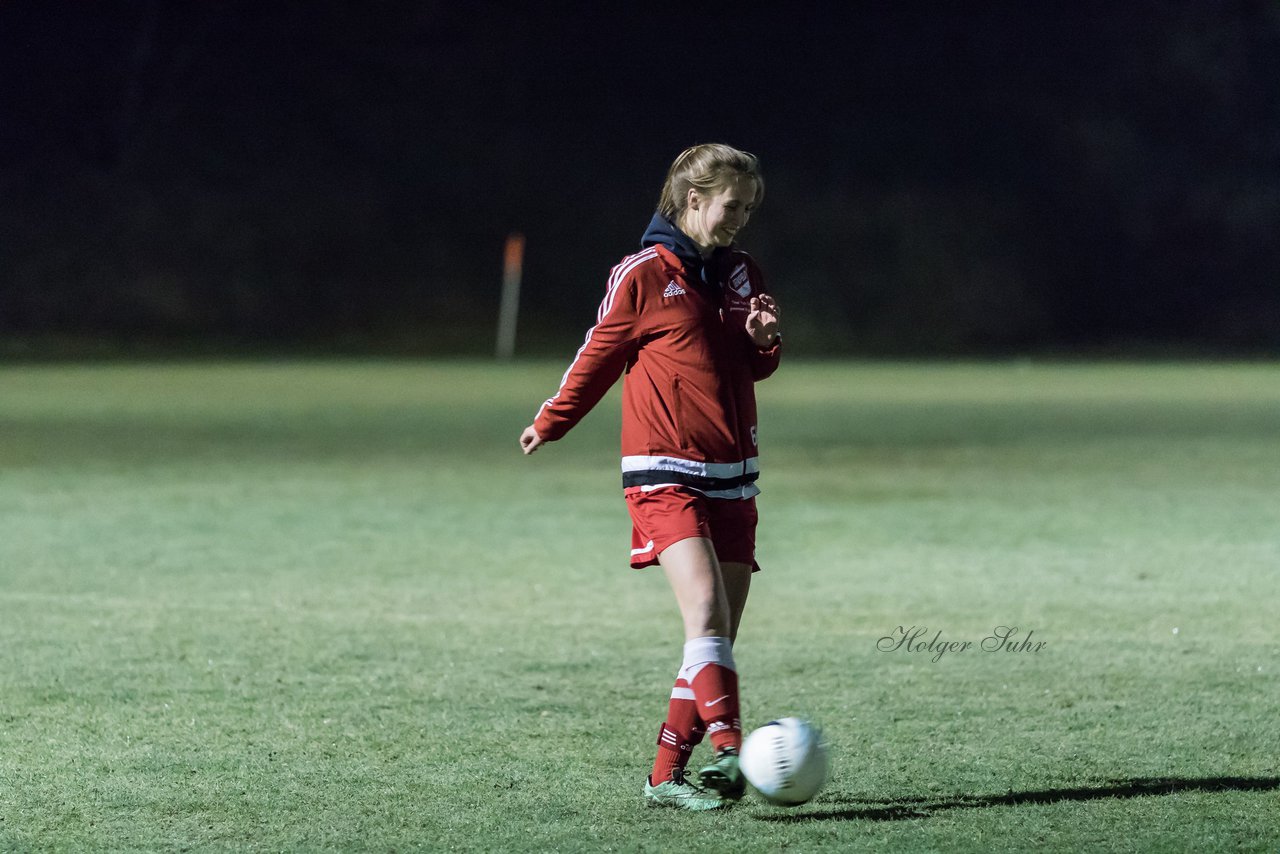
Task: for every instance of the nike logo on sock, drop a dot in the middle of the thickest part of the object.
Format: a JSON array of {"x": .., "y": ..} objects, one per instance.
[{"x": 716, "y": 700}]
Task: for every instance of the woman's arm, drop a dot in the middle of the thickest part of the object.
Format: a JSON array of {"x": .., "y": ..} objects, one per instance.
[{"x": 594, "y": 370}]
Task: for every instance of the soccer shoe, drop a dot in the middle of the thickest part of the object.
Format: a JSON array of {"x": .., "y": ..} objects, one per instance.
[
  {"x": 681, "y": 794},
  {"x": 724, "y": 776}
]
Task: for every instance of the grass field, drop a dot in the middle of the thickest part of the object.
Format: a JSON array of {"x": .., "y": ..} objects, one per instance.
[{"x": 328, "y": 606}]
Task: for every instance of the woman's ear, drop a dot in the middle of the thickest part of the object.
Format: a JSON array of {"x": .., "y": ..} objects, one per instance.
[{"x": 692, "y": 200}]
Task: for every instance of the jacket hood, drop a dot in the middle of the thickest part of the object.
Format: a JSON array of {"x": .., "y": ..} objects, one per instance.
[{"x": 664, "y": 232}]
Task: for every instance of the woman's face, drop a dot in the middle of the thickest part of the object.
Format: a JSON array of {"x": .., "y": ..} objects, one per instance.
[{"x": 715, "y": 220}]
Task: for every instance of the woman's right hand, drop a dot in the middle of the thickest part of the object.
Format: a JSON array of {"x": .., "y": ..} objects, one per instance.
[{"x": 530, "y": 440}]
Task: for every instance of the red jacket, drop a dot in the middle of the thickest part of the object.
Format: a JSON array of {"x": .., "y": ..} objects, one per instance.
[{"x": 688, "y": 400}]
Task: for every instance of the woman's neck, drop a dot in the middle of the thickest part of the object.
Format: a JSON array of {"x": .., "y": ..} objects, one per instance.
[{"x": 703, "y": 250}]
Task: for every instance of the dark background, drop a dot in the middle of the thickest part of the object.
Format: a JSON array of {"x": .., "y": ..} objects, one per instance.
[{"x": 942, "y": 178}]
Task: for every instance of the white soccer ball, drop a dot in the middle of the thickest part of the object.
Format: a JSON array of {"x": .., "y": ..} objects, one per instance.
[{"x": 785, "y": 760}]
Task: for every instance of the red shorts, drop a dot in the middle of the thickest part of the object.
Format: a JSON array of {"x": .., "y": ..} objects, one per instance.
[{"x": 665, "y": 516}]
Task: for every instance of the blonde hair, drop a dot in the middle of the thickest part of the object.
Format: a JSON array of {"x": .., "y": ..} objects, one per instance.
[{"x": 706, "y": 168}]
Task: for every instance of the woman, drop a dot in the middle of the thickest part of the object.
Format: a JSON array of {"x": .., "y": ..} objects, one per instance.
[{"x": 688, "y": 320}]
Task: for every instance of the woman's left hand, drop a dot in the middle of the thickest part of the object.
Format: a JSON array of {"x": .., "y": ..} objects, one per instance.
[{"x": 762, "y": 320}]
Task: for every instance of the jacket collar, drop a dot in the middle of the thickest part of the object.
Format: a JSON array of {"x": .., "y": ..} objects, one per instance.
[{"x": 681, "y": 251}]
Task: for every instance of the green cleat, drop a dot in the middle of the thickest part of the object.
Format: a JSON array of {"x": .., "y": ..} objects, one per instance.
[
  {"x": 724, "y": 776},
  {"x": 681, "y": 794}
]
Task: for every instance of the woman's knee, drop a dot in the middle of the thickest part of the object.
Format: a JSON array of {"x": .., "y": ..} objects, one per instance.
[
  {"x": 694, "y": 573},
  {"x": 711, "y": 618}
]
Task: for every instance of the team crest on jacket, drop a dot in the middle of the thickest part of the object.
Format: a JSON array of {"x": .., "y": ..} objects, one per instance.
[
  {"x": 740, "y": 281},
  {"x": 673, "y": 290}
]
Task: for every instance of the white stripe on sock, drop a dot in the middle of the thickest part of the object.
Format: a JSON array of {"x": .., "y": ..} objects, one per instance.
[{"x": 700, "y": 652}]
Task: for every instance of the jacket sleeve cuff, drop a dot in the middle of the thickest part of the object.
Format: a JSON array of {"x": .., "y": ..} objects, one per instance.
[{"x": 549, "y": 429}]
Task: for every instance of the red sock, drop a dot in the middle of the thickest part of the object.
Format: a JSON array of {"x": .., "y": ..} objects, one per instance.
[
  {"x": 716, "y": 688},
  {"x": 682, "y": 732}
]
